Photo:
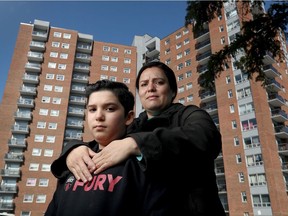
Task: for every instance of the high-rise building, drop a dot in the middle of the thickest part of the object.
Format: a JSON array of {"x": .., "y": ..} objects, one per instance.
[{"x": 43, "y": 107}]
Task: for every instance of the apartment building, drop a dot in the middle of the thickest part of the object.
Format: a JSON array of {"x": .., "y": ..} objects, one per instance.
[{"x": 43, "y": 107}]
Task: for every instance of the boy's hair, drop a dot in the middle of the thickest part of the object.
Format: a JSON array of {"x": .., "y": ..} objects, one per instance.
[
  {"x": 169, "y": 73},
  {"x": 120, "y": 90}
]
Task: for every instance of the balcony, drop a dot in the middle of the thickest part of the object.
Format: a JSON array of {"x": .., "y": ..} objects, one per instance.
[
  {"x": 35, "y": 56},
  {"x": 74, "y": 124},
  {"x": 283, "y": 149},
  {"x": 25, "y": 116},
  {"x": 73, "y": 135},
  {"x": 8, "y": 189},
  {"x": 12, "y": 157},
  {"x": 276, "y": 100},
  {"x": 39, "y": 35},
  {"x": 76, "y": 112},
  {"x": 268, "y": 59},
  {"x": 17, "y": 143},
  {"x": 281, "y": 131},
  {"x": 202, "y": 35},
  {"x": 33, "y": 67},
  {"x": 203, "y": 58},
  {"x": 82, "y": 57},
  {"x": 202, "y": 69},
  {"x": 20, "y": 129},
  {"x": 28, "y": 78},
  {"x": 211, "y": 108},
  {"x": 84, "y": 47},
  {"x": 270, "y": 71},
  {"x": 6, "y": 206},
  {"x": 81, "y": 67},
  {"x": 78, "y": 89},
  {"x": 28, "y": 90},
  {"x": 13, "y": 173},
  {"x": 279, "y": 115},
  {"x": 37, "y": 46},
  {"x": 273, "y": 86},
  {"x": 208, "y": 96},
  {"x": 203, "y": 46},
  {"x": 77, "y": 100},
  {"x": 80, "y": 78},
  {"x": 25, "y": 102}
]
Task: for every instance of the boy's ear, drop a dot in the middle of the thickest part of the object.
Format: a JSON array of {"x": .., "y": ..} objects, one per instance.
[{"x": 130, "y": 117}]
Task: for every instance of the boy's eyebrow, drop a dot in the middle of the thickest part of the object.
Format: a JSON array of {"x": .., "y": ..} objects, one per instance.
[{"x": 104, "y": 104}]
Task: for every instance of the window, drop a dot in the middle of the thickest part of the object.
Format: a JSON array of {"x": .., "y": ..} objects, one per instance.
[
  {"x": 60, "y": 77},
  {"x": 63, "y": 56},
  {"x": 36, "y": 152},
  {"x": 41, "y": 198},
  {"x": 50, "y": 139},
  {"x": 234, "y": 124},
  {"x": 221, "y": 28},
  {"x": 114, "y": 49},
  {"x": 127, "y": 51},
  {"x": 57, "y": 34},
  {"x": 41, "y": 124},
  {"x": 222, "y": 40},
  {"x": 126, "y": 70},
  {"x": 48, "y": 152},
  {"x": 106, "y": 48},
  {"x": 179, "y": 55},
  {"x": 186, "y": 41},
  {"x": 105, "y": 58},
  {"x": 65, "y": 45},
  {"x": 43, "y": 112},
  {"x": 48, "y": 87},
  {"x": 51, "y": 65},
  {"x": 31, "y": 182},
  {"x": 243, "y": 196},
  {"x": 228, "y": 79},
  {"x": 104, "y": 67},
  {"x": 257, "y": 179},
  {"x": 62, "y": 66},
  {"x": 114, "y": 59},
  {"x": 181, "y": 100},
  {"x": 178, "y": 35},
  {"x": 189, "y": 86},
  {"x": 254, "y": 160},
  {"x": 43, "y": 182},
  {"x": 180, "y": 66},
  {"x": 54, "y": 113},
  {"x": 167, "y": 41},
  {"x": 34, "y": 167},
  {"x": 168, "y": 61},
  {"x": 52, "y": 126},
  {"x": 186, "y": 52},
  {"x": 56, "y": 101},
  {"x": 25, "y": 213},
  {"x": 178, "y": 46},
  {"x": 58, "y": 88},
  {"x": 188, "y": 74},
  {"x": 55, "y": 44},
  {"x": 241, "y": 177},
  {"x": 232, "y": 110},
  {"x": 167, "y": 51},
  {"x": 103, "y": 77},
  {"x": 181, "y": 89},
  {"x": 236, "y": 141},
  {"x": 238, "y": 158},
  {"x": 180, "y": 77},
  {"x": 188, "y": 63},
  {"x": 28, "y": 198},
  {"x": 112, "y": 78},
  {"x": 49, "y": 76},
  {"x": 261, "y": 200},
  {"x": 230, "y": 93},
  {"x": 113, "y": 68},
  {"x": 67, "y": 36},
  {"x": 126, "y": 80},
  {"x": 185, "y": 31},
  {"x": 127, "y": 61},
  {"x": 189, "y": 98},
  {"x": 45, "y": 167},
  {"x": 53, "y": 54},
  {"x": 39, "y": 138}
]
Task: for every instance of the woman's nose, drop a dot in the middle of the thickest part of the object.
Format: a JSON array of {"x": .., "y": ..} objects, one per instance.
[{"x": 151, "y": 86}]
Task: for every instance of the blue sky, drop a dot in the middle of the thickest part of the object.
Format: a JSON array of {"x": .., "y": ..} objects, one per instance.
[{"x": 108, "y": 21}]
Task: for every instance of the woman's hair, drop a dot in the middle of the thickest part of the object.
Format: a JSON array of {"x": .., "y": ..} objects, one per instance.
[
  {"x": 120, "y": 90},
  {"x": 169, "y": 73}
]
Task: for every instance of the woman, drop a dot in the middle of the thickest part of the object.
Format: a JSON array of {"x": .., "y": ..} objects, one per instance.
[{"x": 170, "y": 138}]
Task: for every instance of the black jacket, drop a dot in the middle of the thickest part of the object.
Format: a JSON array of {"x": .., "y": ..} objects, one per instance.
[
  {"x": 183, "y": 141},
  {"x": 122, "y": 190}
]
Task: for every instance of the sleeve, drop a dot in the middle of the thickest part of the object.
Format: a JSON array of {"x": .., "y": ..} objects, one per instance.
[
  {"x": 194, "y": 139},
  {"x": 59, "y": 168}
]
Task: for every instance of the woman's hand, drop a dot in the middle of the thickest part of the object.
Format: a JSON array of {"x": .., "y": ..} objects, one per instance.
[
  {"x": 79, "y": 162},
  {"x": 114, "y": 153}
]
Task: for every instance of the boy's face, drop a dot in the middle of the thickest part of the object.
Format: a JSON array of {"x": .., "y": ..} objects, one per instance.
[{"x": 105, "y": 117}]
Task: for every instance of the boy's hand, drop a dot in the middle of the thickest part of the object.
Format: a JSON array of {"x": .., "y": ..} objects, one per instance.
[{"x": 79, "y": 162}]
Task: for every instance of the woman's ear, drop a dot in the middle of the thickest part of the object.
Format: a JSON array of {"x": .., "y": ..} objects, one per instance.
[{"x": 130, "y": 117}]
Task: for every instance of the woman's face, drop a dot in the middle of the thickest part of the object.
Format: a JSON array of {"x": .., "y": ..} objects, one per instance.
[{"x": 154, "y": 91}]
